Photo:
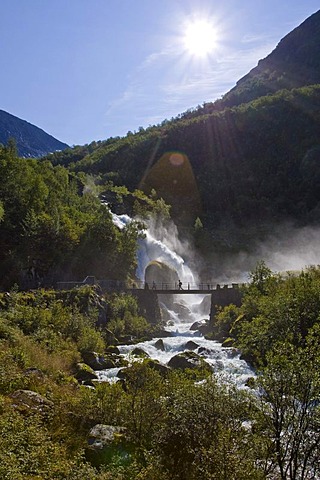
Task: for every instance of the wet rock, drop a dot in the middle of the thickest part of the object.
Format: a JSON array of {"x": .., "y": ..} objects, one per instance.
[
  {"x": 139, "y": 352},
  {"x": 232, "y": 352},
  {"x": 205, "y": 327},
  {"x": 30, "y": 401},
  {"x": 191, "y": 360},
  {"x": 113, "y": 349},
  {"x": 182, "y": 310},
  {"x": 159, "y": 345},
  {"x": 196, "y": 325},
  {"x": 191, "y": 345},
  {"x": 163, "y": 334},
  {"x": 96, "y": 361},
  {"x": 84, "y": 372},
  {"x": 159, "y": 367}
]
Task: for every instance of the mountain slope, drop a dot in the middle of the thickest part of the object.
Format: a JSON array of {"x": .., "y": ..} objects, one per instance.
[
  {"x": 295, "y": 62},
  {"x": 255, "y": 155},
  {"x": 31, "y": 141}
]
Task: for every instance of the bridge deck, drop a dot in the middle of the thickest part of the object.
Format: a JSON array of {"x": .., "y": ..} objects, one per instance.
[{"x": 174, "y": 291}]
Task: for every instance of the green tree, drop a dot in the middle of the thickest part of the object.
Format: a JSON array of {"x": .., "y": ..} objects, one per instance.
[{"x": 289, "y": 410}]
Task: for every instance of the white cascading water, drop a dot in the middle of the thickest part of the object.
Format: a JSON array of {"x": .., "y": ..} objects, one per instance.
[{"x": 225, "y": 361}]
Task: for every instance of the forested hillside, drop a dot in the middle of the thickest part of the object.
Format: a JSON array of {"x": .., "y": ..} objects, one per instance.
[
  {"x": 249, "y": 160},
  {"x": 52, "y": 229}
]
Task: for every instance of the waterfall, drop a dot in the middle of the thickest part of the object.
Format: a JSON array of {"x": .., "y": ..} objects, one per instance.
[
  {"x": 186, "y": 310},
  {"x": 152, "y": 249}
]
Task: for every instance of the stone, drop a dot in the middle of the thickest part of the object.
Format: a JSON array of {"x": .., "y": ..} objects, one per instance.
[
  {"x": 159, "y": 367},
  {"x": 96, "y": 361},
  {"x": 182, "y": 310},
  {"x": 191, "y": 360},
  {"x": 85, "y": 373},
  {"x": 139, "y": 352},
  {"x": 113, "y": 349},
  {"x": 30, "y": 401},
  {"x": 196, "y": 325},
  {"x": 191, "y": 345},
  {"x": 228, "y": 342},
  {"x": 159, "y": 345}
]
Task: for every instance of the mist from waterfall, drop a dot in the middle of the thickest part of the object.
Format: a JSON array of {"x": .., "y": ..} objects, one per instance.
[
  {"x": 163, "y": 245},
  {"x": 157, "y": 246}
]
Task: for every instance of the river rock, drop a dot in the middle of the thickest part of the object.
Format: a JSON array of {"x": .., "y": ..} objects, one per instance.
[
  {"x": 196, "y": 325},
  {"x": 139, "y": 352},
  {"x": 191, "y": 345},
  {"x": 191, "y": 360},
  {"x": 96, "y": 361},
  {"x": 159, "y": 345},
  {"x": 204, "y": 351},
  {"x": 228, "y": 342},
  {"x": 84, "y": 372},
  {"x": 113, "y": 349},
  {"x": 182, "y": 310},
  {"x": 30, "y": 401},
  {"x": 159, "y": 367}
]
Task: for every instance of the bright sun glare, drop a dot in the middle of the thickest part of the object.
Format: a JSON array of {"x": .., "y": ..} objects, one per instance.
[{"x": 200, "y": 38}]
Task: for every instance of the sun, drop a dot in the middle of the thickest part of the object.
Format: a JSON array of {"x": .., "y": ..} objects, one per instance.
[{"x": 200, "y": 38}]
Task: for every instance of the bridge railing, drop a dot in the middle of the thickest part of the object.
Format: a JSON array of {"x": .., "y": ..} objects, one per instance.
[{"x": 118, "y": 285}]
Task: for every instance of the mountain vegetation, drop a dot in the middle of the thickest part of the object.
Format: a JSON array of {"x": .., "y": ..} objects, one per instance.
[
  {"x": 177, "y": 425},
  {"x": 243, "y": 164},
  {"x": 31, "y": 141},
  {"x": 250, "y": 160},
  {"x": 53, "y": 229}
]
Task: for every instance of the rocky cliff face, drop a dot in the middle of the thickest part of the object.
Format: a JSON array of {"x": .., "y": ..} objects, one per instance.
[{"x": 31, "y": 141}]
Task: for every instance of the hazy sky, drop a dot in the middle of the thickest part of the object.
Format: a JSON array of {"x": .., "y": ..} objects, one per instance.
[{"x": 86, "y": 70}]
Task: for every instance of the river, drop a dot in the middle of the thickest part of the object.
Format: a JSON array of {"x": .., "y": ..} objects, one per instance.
[{"x": 186, "y": 310}]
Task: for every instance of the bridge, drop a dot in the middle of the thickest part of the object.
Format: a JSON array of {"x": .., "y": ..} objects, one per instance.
[
  {"x": 147, "y": 295},
  {"x": 181, "y": 288}
]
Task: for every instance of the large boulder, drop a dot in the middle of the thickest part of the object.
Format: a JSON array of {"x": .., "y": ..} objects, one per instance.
[
  {"x": 139, "y": 352},
  {"x": 182, "y": 310},
  {"x": 85, "y": 373},
  {"x": 96, "y": 361},
  {"x": 160, "y": 273},
  {"x": 189, "y": 360},
  {"x": 159, "y": 345},
  {"x": 28, "y": 401},
  {"x": 191, "y": 345}
]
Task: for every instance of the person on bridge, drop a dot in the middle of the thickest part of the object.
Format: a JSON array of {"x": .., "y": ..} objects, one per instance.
[{"x": 180, "y": 285}]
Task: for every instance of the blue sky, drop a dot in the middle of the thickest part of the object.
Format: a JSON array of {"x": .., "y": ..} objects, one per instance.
[{"x": 86, "y": 70}]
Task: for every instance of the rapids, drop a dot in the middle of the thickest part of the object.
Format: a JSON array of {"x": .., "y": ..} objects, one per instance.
[{"x": 225, "y": 361}]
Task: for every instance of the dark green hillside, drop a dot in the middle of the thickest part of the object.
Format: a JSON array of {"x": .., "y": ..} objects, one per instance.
[
  {"x": 255, "y": 161},
  {"x": 253, "y": 156}
]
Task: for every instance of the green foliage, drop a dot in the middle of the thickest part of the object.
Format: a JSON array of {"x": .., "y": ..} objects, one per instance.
[
  {"x": 289, "y": 415},
  {"x": 274, "y": 309},
  {"x": 124, "y": 318},
  {"x": 53, "y": 226},
  {"x": 247, "y": 173}
]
